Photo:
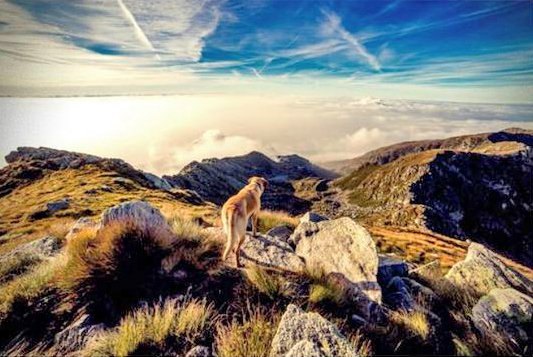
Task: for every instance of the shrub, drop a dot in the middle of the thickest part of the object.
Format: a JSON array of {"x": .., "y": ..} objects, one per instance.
[
  {"x": 154, "y": 326},
  {"x": 117, "y": 267},
  {"x": 270, "y": 219},
  {"x": 272, "y": 285},
  {"x": 322, "y": 289},
  {"x": 250, "y": 337}
]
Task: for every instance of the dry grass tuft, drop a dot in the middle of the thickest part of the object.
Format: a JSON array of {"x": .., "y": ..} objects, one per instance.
[
  {"x": 120, "y": 265},
  {"x": 16, "y": 264},
  {"x": 153, "y": 326},
  {"x": 270, "y": 219},
  {"x": 414, "y": 322},
  {"x": 272, "y": 285},
  {"x": 362, "y": 346},
  {"x": 250, "y": 337},
  {"x": 322, "y": 289},
  {"x": 29, "y": 286}
]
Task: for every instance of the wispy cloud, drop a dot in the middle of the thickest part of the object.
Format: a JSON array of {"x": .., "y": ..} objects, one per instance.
[
  {"x": 333, "y": 26},
  {"x": 138, "y": 30}
]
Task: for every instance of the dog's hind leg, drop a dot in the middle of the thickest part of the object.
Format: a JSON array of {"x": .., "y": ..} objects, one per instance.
[
  {"x": 254, "y": 224},
  {"x": 229, "y": 229},
  {"x": 238, "y": 249}
]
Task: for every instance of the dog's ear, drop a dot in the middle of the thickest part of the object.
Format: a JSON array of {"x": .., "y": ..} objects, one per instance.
[
  {"x": 252, "y": 179},
  {"x": 264, "y": 182}
]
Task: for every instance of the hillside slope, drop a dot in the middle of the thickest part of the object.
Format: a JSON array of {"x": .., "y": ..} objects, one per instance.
[{"x": 483, "y": 193}]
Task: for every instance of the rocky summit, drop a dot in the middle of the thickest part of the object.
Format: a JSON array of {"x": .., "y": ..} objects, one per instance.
[{"x": 421, "y": 249}]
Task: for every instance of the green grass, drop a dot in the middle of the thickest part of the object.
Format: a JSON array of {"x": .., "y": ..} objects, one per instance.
[
  {"x": 270, "y": 284},
  {"x": 269, "y": 219},
  {"x": 16, "y": 264}
]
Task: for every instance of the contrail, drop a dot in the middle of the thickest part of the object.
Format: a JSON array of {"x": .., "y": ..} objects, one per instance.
[{"x": 138, "y": 30}]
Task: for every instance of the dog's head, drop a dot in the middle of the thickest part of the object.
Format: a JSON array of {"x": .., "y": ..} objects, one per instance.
[{"x": 263, "y": 183}]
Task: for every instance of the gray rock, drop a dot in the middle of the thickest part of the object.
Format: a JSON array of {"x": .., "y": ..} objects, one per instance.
[
  {"x": 41, "y": 248},
  {"x": 313, "y": 217},
  {"x": 270, "y": 252},
  {"x": 417, "y": 289},
  {"x": 58, "y": 205},
  {"x": 297, "y": 326},
  {"x": 157, "y": 182},
  {"x": 482, "y": 270},
  {"x": 397, "y": 295},
  {"x": 77, "y": 334},
  {"x": 81, "y": 224},
  {"x": 390, "y": 267},
  {"x": 343, "y": 246},
  {"x": 304, "y": 229},
  {"x": 140, "y": 212},
  {"x": 199, "y": 351},
  {"x": 507, "y": 312},
  {"x": 281, "y": 232},
  {"x": 305, "y": 348}
]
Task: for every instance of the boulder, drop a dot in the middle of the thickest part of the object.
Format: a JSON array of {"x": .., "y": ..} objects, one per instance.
[
  {"x": 482, "y": 270},
  {"x": 281, "y": 232},
  {"x": 305, "y": 348},
  {"x": 304, "y": 229},
  {"x": 389, "y": 267},
  {"x": 81, "y": 224},
  {"x": 343, "y": 246},
  {"x": 270, "y": 252},
  {"x": 397, "y": 295},
  {"x": 199, "y": 351},
  {"x": 313, "y": 217},
  {"x": 49, "y": 209},
  {"x": 140, "y": 212},
  {"x": 75, "y": 336},
  {"x": 321, "y": 335},
  {"x": 507, "y": 312}
]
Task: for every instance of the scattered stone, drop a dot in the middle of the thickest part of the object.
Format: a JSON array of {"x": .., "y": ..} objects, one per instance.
[
  {"x": 297, "y": 326},
  {"x": 81, "y": 224},
  {"x": 43, "y": 248},
  {"x": 507, "y": 312},
  {"x": 390, "y": 267},
  {"x": 482, "y": 270},
  {"x": 106, "y": 188},
  {"x": 313, "y": 217},
  {"x": 281, "y": 232},
  {"x": 397, "y": 295},
  {"x": 343, "y": 246},
  {"x": 58, "y": 205},
  {"x": 270, "y": 252},
  {"x": 199, "y": 351},
  {"x": 305, "y": 348},
  {"x": 77, "y": 334}
]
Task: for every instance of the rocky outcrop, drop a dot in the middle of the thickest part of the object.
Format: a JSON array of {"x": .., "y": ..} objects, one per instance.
[
  {"x": 300, "y": 332},
  {"x": 506, "y": 312},
  {"x": 313, "y": 217},
  {"x": 27, "y": 164},
  {"x": 81, "y": 224},
  {"x": 49, "y": 209},
  {"x": 42, "y": 248},
  {"x": 270, "y": 252},
  {"x": 217, "y": 179},
  {"x": 482, "y": 270},
  {"x": 342, "y": 246},
  {"x": 389, "y": 267}
]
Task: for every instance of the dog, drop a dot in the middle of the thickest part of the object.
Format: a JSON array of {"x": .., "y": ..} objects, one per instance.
[{"x": 236, "y": 212}]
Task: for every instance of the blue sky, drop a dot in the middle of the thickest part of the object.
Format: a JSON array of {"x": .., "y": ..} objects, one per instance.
[{"x": 453, "y": 50}]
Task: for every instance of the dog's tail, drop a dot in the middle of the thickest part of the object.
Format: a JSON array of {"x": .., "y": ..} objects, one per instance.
[{"x": 228, "y": 223}]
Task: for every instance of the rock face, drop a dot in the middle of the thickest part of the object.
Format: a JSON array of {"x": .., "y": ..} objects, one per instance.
[
  {"x": 267, "y": 251},
  {"x": 300, "y": 333},
  {"x": 507, "y": 312},
  {"x": 342, "y": 246},
  {"x": 217, "y": 179},
  {"x": 483, "y": 271}
]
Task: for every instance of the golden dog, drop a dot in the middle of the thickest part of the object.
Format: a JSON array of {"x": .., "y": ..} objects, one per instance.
[{"x": 238, "y": 210}]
